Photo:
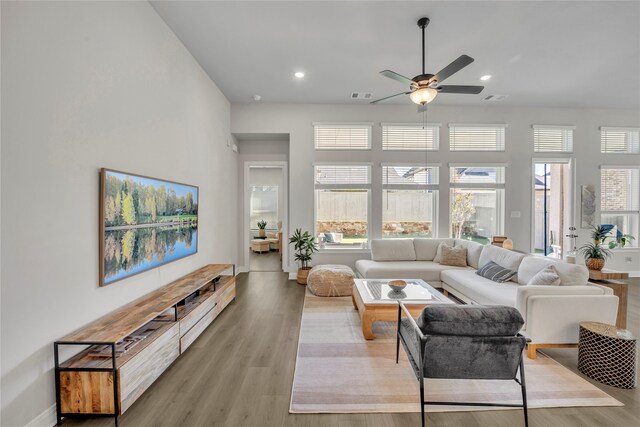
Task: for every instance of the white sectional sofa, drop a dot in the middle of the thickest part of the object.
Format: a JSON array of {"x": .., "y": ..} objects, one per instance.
[{"x": 551, "y": 313}]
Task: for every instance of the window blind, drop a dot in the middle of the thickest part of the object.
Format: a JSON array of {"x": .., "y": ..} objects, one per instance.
[
  {"x": 620, "y": 140},
  {"x": 410, "y": 137},
  {"x": 553, "y": 139},
  {"x": 342, "y": 136},
  {"x": 477, "y": 174},
  {"x": 342, "y": 175},
  {"x": 409, "y": 175},
  {"x": 476, "y": 137},
  {"x": 620, "y": 190}
]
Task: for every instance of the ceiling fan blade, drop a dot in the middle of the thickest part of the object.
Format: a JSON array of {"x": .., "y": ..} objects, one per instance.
[
  {"x": 469, "y": 90},
  {"x": 397, "y": 77},
  {"x": 453, "y": 68},
  {"x": 392, "y": 96}
]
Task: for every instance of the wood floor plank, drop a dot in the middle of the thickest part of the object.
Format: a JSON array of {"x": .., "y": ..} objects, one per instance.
[{"x": 239, "y": 372}]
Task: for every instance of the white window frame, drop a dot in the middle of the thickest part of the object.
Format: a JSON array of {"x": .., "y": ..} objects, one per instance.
[
  {"x": 633, "y": 134},
  {"x": 432, "y": 187},
  {"x": 343, "y": 125},
  {"x": 368, "y": 187},
  {"x": 500, "y": 195},
  {"x": 566, "y": 142},
  {"x": 434, "y": 126},
  {"x": 501, "y": 145},
  {"x": 623, "y": 212}
]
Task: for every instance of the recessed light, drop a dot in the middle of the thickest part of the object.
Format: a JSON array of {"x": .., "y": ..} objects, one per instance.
[
  {"x": 257, "y": 97},
  {"x": 299, "y": 74},
  {"x": 485, "y": 78}
]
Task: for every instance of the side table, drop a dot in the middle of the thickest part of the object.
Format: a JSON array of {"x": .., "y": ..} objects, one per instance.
[
  {"x": 607, "y": 354},
  {"x": 614, "y": 280}
]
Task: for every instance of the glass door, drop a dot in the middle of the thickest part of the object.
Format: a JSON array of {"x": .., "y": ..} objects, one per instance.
[{"x": 552, "y": 207}]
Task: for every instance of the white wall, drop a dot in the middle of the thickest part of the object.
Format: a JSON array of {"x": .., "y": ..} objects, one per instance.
[
  {"x": 88, "y": 85},
  {"x": 297, "y": 121}
]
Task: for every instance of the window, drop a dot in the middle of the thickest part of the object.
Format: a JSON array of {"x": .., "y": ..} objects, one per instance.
[
  {"x": 476, "y": 201},
  {"x": 263, "y": 205},
  {"x": 342, "y": 205},
  {"x": 409, "y": 136},
  {"x": 342, "y": 136},
  {"x": 620, "y": 200},
  {"x": 409, "y": 200},
  {"x": 553, "y": 139},
  {"x": 476, "y": 137},
  {"x": 619, "y": 140}
]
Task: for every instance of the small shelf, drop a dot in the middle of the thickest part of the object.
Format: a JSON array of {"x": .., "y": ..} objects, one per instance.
[{"x": 88, "y": 359}]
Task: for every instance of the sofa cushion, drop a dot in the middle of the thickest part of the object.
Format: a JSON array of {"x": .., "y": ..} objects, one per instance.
[
  {"x": 470, "y": 320},
  {"x": 570, "y": 274},
  {"x": 438, "y": 257},
  {"x": 479, "y": 289},
  {"x": 392, "y": 250},
  {"x": 503, "y": 257},
  {"x": 456, "y": 256},
  {"x": 493, "y": 271},
  {"x": 474, "y": 249},
  {"x": 426, "y": 248},
  {"x": 545, "y": 277},
  {"x": 428, "y": 271}
]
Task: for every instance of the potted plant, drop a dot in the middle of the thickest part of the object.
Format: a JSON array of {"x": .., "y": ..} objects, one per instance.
[
  {"x": 304, "y": 246},
  {"x": 262, "y": 224},
  {"x": 594, "y": 255}
]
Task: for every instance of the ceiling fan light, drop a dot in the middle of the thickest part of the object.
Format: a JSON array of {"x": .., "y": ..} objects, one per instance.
[{"x": 423, "y": 95}]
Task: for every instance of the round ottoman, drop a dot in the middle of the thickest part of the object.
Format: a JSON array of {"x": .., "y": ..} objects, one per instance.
[
  {"x": 331, "y": 280},
  {"x": 260, "y": 245},
  {"x": 607, "y": 354}
]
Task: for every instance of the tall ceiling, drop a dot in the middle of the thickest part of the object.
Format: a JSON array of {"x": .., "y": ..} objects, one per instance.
[{"x": 582, "y": 54}]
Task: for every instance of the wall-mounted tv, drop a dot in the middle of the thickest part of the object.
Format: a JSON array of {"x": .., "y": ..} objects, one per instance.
[{"x": 144, "y": 223}]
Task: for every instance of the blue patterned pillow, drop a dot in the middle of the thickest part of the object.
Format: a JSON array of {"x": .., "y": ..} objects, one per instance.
[{"x": 493, "y": 271}]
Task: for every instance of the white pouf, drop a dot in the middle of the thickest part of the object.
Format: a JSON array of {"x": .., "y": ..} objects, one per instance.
[{"x": 331, "y": 280}]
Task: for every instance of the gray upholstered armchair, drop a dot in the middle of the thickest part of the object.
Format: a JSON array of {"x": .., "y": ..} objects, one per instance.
[{"x": 464, "y": 342}]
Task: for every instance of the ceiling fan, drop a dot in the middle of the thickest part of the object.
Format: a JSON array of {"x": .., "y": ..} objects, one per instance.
[{"x": 425, "y": 87}]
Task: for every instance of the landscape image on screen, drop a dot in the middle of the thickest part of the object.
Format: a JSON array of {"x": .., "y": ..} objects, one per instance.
[{"x": 147, "y": 223}]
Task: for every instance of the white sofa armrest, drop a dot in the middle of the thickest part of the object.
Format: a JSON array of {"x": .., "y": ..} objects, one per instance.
[
  {"x": 526, "y": 292},
  {"x": 555, "y": 319}
]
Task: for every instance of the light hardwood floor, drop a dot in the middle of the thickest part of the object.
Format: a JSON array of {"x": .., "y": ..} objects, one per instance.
[
  {"x": 266, "y": 261},
  {"x": 239, "y": 373}
]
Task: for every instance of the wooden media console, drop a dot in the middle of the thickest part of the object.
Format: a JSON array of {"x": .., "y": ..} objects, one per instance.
[{"x": 129, "y": 348}]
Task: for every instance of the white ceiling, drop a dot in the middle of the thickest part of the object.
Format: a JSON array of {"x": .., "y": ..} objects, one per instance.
[{"x": 546, "y": 53}]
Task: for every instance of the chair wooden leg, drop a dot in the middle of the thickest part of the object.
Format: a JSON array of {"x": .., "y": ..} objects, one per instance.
[
  {"x": 524, "y": 394},
  {"x": 398, "y": 334},
  {"x": 531, "y": 351},
  {"x": 422, "y": 400}
]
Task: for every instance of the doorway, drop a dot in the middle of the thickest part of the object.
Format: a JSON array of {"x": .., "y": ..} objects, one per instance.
[
  {"x": 552, "y": 206},
  {"x": 265, "y": 216}
]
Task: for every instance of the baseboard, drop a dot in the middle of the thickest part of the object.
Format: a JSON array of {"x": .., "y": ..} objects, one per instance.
[
  {"x": 634, "y": 274},
  {"x": 46, "y": 419},
  {"x": 243, "y": 269},
  {"x": 293, "y": 275}
]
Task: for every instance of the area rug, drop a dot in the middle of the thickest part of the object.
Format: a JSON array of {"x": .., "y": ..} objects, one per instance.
[{"x": 338, "y": 371}]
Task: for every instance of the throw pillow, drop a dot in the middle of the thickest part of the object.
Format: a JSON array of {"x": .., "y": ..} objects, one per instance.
[
  {"x": 545, "y": 277},
  {"x": 456, "y": 256},
  {"x": 438, "y": 256},
  {"x": 493, "y": 271}
]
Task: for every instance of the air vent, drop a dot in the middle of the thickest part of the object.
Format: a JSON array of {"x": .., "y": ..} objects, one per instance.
[
  {"x": 361, "y": 95},
  {"x": 495, "y": 98}
]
